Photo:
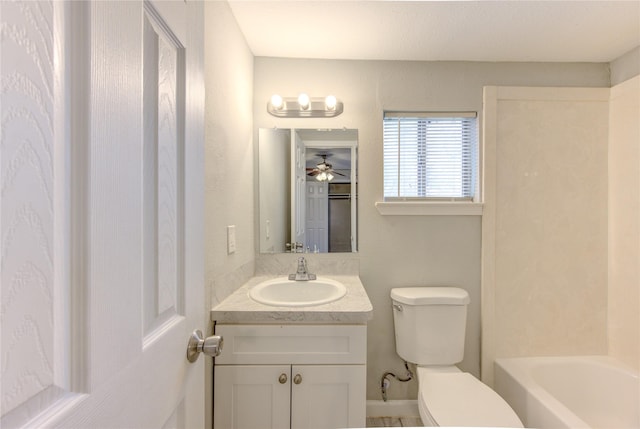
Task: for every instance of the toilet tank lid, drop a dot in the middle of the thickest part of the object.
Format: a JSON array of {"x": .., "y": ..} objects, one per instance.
[{"x": 429, "y": 295}]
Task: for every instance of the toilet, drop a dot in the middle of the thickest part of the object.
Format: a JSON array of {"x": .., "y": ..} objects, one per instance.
[{"x": 430, "y": 325}]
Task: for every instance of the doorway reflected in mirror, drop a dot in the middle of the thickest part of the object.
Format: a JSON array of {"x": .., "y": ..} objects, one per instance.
[{"x": 307, "y": 190}]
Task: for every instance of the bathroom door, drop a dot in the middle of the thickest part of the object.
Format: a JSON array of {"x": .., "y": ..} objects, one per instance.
[
  {"x": 298, "y": 189},
  {"x": 317, "y": 216},
  {"x": 102, "y": 200}
]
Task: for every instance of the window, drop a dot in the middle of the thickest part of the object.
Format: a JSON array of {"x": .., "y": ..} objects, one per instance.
[{"x": 430, "y": 156}]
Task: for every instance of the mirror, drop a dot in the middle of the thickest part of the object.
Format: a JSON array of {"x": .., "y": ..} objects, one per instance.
[{"x": 307, "y": 190}]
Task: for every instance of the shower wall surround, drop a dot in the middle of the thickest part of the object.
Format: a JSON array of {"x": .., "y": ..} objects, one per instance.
[
  {"x": 544, "y": 235},
  {"x": 624, "y": 223}
]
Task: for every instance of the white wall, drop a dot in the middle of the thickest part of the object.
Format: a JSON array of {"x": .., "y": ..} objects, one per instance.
[
  {"x": 229, "y": 151},
  {"x": 229, "y": 186},
  {"x": 405, "y": 250},
  {"x": 624, "y": 222}
]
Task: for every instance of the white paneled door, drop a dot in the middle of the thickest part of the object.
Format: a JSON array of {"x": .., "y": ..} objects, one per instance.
[
  {"x": 317, "y": 216},
  {"x": 101, "y": 173},
  {"x": 298, "y": 190}
]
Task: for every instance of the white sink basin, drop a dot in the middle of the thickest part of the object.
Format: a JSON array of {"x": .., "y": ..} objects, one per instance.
[{"x": 282, "y": 292}]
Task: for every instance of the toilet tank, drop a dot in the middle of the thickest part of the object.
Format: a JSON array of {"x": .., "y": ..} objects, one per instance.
[{"x": 430, "y": 324}]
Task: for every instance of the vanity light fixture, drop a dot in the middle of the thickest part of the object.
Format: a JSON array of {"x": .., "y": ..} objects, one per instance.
[
  {"x": 330, "y": 102},
  {"x": 277, "y": 102},
  {"x": 304, "y": 106},
  {"x": 304, "y": 101}
]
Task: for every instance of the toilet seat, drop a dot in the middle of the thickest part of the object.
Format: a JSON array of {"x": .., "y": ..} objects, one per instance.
[{"x": 455, "y": 398}]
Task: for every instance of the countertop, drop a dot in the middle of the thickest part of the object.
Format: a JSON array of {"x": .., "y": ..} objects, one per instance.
[{"x": 353, "y": 308}]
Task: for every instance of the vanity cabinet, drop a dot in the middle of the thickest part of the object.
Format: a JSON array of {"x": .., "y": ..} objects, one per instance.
[
  {"x": 290, "y": 376},
  {"x": 251, "y": 396}
]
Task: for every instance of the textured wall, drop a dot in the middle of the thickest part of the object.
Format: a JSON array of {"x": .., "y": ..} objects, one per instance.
[
  {"x": 624, "y": 222},
  {"x": 229, "y": 159},
  {"x": 229, "y": 151}
]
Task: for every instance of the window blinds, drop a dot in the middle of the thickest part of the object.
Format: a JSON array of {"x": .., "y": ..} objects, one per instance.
[{"x": 430, "y": 155}]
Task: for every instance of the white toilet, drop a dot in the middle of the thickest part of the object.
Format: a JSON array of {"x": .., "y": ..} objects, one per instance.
[{"x": 430, "y": 327}]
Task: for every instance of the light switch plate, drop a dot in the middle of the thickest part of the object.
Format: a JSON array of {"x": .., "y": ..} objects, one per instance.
[{"x": 231, "y": 239}]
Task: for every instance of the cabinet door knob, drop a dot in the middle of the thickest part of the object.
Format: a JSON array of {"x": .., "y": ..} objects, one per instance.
[
  {"x": 297, "y": 379},
  {"x": 283, "y": 378}
]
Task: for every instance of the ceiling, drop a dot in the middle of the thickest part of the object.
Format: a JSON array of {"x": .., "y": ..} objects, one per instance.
[
  {"x": 315, "y": 140},
  {"x": 541, "y": 31},
  {"x": 324, "y": 135},
  {"x": 339, "y": 158}
]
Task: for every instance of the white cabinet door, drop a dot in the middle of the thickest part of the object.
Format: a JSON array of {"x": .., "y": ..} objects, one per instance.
[
  {"x": 328, "y": 396},
  {"x": 102, "y": 195},
  {"x": 251, "y": 396}
]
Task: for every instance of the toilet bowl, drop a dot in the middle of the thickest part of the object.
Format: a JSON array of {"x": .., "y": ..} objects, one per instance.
[
  {"x": 430, "y": 327},
  {"x": 459, "y": 399}
]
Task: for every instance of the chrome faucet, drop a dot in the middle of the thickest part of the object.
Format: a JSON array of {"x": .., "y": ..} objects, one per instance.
[{"x": 301, "y": 273}]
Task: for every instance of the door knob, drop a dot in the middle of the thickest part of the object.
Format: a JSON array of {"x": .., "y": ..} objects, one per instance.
[
  {"x": 283, "y": 378},
  {"x": 297, "y": 379},
  {"x": 210, "y": 346}
]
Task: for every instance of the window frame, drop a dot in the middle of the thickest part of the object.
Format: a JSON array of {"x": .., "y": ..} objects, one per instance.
[{"x": 438, "y": 205}]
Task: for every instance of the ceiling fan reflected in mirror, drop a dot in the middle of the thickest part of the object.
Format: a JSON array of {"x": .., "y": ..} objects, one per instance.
[{"x": 323, "y": 171}]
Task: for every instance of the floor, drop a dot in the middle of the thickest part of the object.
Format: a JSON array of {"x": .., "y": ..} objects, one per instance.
[{"x": 393, "y": 422}]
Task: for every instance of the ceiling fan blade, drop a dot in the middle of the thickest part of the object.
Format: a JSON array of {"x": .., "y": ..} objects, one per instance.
[{"x": 335, "y": 172}]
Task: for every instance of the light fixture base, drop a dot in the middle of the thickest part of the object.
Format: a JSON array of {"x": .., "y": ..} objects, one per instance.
[{"x": 317, "y": 109}]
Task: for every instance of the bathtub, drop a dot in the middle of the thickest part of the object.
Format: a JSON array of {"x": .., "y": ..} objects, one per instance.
[{"x": 570, "y": 392}]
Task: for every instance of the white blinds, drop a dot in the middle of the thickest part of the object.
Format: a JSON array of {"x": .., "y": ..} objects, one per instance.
[{"x": 430, "y": 155}]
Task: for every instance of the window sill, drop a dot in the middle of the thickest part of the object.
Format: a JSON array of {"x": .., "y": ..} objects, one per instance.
[{"x": 428, "y": 208}]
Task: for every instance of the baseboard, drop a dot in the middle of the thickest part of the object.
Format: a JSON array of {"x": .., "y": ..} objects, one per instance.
[{"x": 394, "y": 408}]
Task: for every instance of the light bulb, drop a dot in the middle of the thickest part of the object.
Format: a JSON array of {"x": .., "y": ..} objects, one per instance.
[
  {"x": 303, "y": 101},
  {"x": 330, "y": 102},
  {"x": 277, "y": 102},
  {"x": 322, "y": 176},
  {"x": 329, "y": 177}
]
